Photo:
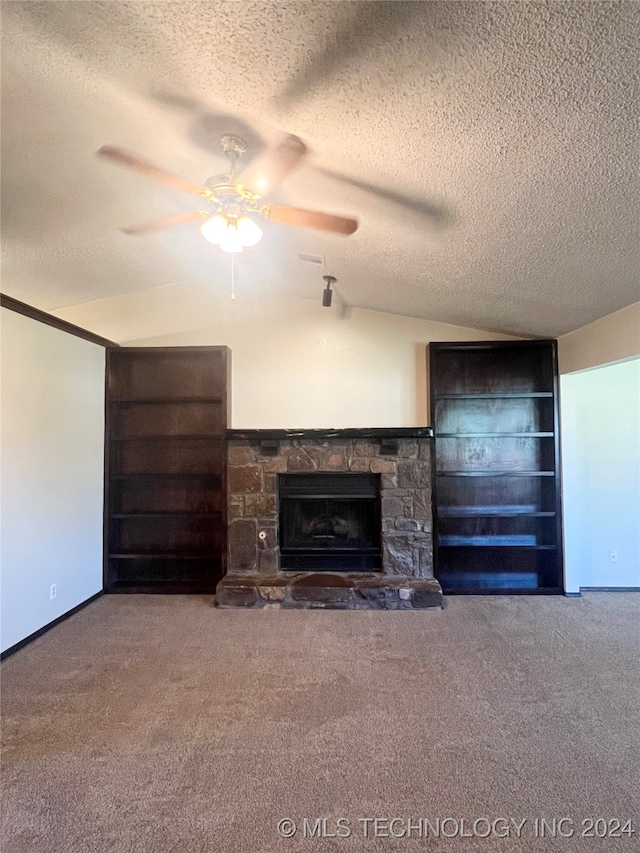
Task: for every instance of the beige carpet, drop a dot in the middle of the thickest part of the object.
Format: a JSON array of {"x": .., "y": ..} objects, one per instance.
[{"x": 159, "y": 724}]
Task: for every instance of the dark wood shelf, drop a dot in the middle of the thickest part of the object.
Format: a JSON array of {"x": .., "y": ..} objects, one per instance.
[
  {"x": 498, "y": 545},
  {"x": 539, "y": 590},
  {"x": 148, "y": 555},
  {"x": 495, "y": 473},
  {"x": 445, "y": 512},
  {"x": 167, "y": 514},
  {"x": 160, "y": 587},
  {"x": 167, "y": 419},
  {"x": 215, "y": 399},
  {"x": 208, "y": 437},
  {"x": 167, "y": 476},
  {"x": 496, "y": 496},
  {"x": 527, "y": 395},
  {"x": 495, "y": 435}
]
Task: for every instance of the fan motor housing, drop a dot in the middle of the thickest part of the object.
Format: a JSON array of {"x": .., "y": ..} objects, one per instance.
[{"x": 222, "y": 191}]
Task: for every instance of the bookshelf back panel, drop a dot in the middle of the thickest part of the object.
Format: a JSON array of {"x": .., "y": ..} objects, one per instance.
[
  {"x": 485, "y": 370},
  {"x": 131, "y": 420},
  {"x": 167, "y": 374}
]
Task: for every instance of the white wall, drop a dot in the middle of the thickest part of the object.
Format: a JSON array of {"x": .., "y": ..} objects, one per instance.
[
  {"x": 294, "y": 363},
  {"x": 600, "y": 418},
  {"x": 51, "y": 489},
  {"x": 297, "y": 364},
  {"x": 611, "y": 338}
]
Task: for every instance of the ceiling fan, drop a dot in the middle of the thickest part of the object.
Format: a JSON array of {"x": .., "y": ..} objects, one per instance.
[{"x": 234, "y": 200}]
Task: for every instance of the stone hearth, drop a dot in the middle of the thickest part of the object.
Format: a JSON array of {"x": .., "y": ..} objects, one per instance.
[{"x": 401, "y": 458}]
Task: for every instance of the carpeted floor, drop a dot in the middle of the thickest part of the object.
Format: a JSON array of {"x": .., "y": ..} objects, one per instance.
[{"x": 159, "y": 724}]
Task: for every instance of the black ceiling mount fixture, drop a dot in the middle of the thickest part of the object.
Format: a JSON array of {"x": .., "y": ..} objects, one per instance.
[{"x": 327, "y": 293}]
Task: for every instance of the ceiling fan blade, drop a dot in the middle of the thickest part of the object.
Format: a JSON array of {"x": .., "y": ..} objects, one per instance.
[
  {"x": 285, "y": 215},
  {"x": 270, "y": 168},
  {"x": 207, "y": 124},
  {"x": 132, "y": 161},
  {"x": 430, "y": 210},
  {"x": 365, "y": 27},
  {"x": 167, "y": 222}
]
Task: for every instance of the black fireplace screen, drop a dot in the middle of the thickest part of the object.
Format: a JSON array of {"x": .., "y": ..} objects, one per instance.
[{"x": 330, "y": 521}]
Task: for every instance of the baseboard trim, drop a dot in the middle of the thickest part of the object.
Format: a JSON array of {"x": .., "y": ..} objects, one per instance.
[
  {"x": 7, "y": 652},
  {"x": 573, "y": 594},
  {"x": 610, "y": 589}
]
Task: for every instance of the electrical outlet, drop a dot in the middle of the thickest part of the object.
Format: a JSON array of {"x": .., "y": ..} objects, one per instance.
[
  {"x": 53, "y": 591},
  {"x": 613, "y": 556}
]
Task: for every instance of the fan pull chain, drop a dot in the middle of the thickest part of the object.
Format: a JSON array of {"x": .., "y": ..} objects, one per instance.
[{"x": 233, "y": 275}]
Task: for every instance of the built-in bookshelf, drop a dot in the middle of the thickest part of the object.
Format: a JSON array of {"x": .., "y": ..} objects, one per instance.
[
  {"x": 167, "y": 416},
  {"x": 496, "y": 487}
]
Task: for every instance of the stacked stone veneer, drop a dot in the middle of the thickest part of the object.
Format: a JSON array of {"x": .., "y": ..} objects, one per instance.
[{"x": 405, "y": 483}]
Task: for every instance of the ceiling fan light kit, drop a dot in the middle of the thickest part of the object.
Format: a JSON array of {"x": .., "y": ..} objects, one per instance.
[
  {"x": 233, "y": 199},
  {"x": 231, "y": 233}
]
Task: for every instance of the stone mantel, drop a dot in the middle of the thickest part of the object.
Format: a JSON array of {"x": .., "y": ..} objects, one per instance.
[
  {"x": 402, "y": 457},
  {"x": 334, "y": 434}
]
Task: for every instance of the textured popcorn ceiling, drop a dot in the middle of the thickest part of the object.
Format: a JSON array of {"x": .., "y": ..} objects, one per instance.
[{"x": 512, "y": 126}]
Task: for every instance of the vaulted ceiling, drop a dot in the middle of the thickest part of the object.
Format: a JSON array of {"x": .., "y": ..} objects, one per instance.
[{"x": 503, "y": 139}]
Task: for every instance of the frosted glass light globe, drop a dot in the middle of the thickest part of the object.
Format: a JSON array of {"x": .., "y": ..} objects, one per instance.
[
  {"x": 215, "y": 228},
  {"x": 250, "y": 233},
  {"x": 231, "y": 234},
  {"x": 232, "y": 240}
]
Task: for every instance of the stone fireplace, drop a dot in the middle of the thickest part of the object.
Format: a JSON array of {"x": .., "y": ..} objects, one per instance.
[{"x": 330, "y": 518}]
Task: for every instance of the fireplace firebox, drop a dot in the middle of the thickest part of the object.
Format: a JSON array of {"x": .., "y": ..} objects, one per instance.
[{"x": 330, "y": 521}]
